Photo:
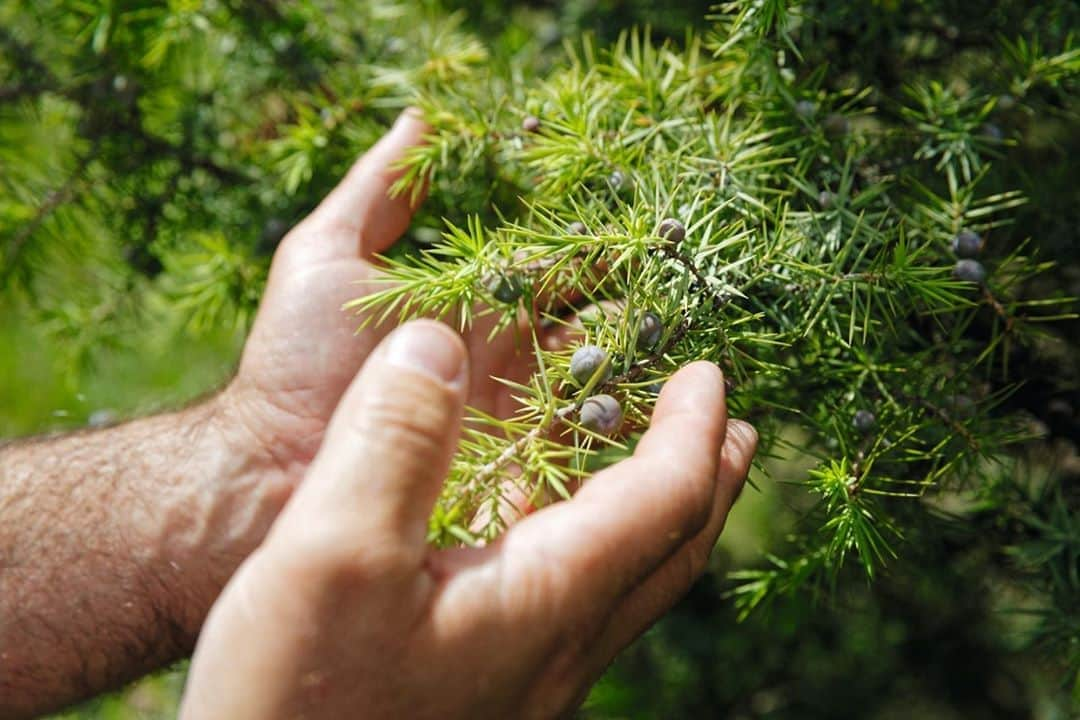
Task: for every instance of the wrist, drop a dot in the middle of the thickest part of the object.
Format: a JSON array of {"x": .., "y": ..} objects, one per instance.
[{"x": 214, "y": 513}]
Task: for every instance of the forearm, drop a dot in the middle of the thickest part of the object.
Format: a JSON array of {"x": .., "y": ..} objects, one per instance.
[{"x": 114, "y": 544}]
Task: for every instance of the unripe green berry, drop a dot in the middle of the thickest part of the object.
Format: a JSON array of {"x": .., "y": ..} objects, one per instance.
[
  {"x": 586, "y": 361},
  {"x": 530, "y": 124},
  {"x": 825, "y": 199},
  {"x": 864, "y": 421},
  {"x": 967, "y": 244},
  {"x": 672, "y": 230},
  {"x": 650, "y": 329},
  {"x": 504, "y": 288},
  {"x": 970, "y": 271},
  {"x": 602, "y": 414},
  {"x": 577, "y": 228},
  {"x": 805, "y": 108}
]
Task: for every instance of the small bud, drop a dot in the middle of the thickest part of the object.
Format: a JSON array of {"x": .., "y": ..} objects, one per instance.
[
  {"x": 585, "y": 363},
  {"x": 672, "y": 230},
  {"x": 504, "y": 288},
  {"x": 577, "y": 228},
  {"x": 864, "y": 421},
  {"x": 970, "y": 271},
  {"x": 530, "y": 124},
  {"x": 602, "y": 414},
  {"x": 967, "y": 244},
  {"x": 650, "y": 328},
  {"x": 825, "y": 199}
]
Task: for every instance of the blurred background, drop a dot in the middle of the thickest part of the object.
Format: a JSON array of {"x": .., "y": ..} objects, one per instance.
[{"x": 153, "y": 154}]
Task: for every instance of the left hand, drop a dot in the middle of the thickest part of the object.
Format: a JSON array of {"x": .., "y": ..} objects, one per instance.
[{"x": 304, "y": 349}]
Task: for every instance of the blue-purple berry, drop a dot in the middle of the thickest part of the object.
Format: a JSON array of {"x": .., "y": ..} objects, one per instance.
[
  {"x": 619, "y": 181},
  {"x": 970, "y": 271},
  {"x": 967, "y": 244},
  {"x": 650, "y": 330},
  {"x": 601, "y": 414},
  {"x": 672, "y": 230},
  {"x": 587, "y": 361},
  {"x": 864, "y": 421},
  {"x": 504, "y": 288}
]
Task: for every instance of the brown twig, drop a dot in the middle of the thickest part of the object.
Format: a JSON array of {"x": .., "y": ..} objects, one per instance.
[
  {"x": 637, "y": 370},
  {"x": 511, "y": 451},
  {"x": 700, "y": 281},
  {"x": 999, "y": 309}
]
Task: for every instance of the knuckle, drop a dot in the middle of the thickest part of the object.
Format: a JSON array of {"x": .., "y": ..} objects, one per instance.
[
  {"x": 410, "y": 416},
  {"x": 331, "y": 556},
  {"x": 697, "y": 560}
]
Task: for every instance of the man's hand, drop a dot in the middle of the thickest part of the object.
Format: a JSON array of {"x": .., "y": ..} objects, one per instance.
[
  {"x": 115, "y": 543},
  {"x": 303, "y": 350},
  {"x": 345, "y": 611}
]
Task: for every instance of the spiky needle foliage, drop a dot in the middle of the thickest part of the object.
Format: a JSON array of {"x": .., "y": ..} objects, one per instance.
[{"x": 816, "y": 267}]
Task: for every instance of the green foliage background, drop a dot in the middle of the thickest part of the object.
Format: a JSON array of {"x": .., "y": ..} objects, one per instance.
[{"x": 152, "y": 154}]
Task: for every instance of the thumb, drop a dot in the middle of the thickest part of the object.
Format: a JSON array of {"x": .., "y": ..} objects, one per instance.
[{"x": 389, "y": 444}]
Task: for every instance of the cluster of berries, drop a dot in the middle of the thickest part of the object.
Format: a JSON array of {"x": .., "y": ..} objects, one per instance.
[
  {"x": 966, "y": 246},
  {"x": 591, "y": 364},
  {"x": 603, "y": 413},
  {"x": 600, "y": 413}
]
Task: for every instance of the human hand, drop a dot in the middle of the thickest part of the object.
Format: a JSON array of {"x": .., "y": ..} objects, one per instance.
[
  {"x": 304, "y": 349},
  {"x": 344, "y": 611}
]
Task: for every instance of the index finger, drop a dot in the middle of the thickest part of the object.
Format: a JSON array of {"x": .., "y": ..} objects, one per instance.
[
  {"x": 631, "y": 517},
  {"x": 359, "y": 217}
]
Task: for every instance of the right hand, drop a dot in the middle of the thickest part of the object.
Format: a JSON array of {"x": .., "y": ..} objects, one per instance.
[{"x": 345, "y": 612}]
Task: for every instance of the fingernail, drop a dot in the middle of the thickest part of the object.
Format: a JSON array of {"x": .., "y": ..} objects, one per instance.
[
  {"x": 746, "y": 432},
  {"x": 410, "y": 116},
  {"x": 430, "y": 348}
]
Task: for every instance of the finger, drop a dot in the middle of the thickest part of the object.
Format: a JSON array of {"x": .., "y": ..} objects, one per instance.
[
  {"x": 659, "y": 593},
  {"x": 389, "y": 444},
  {"x": 631, "y": 517},
  {"x": 359, "y": 217},
  {"x": 511, "y": 504}
]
